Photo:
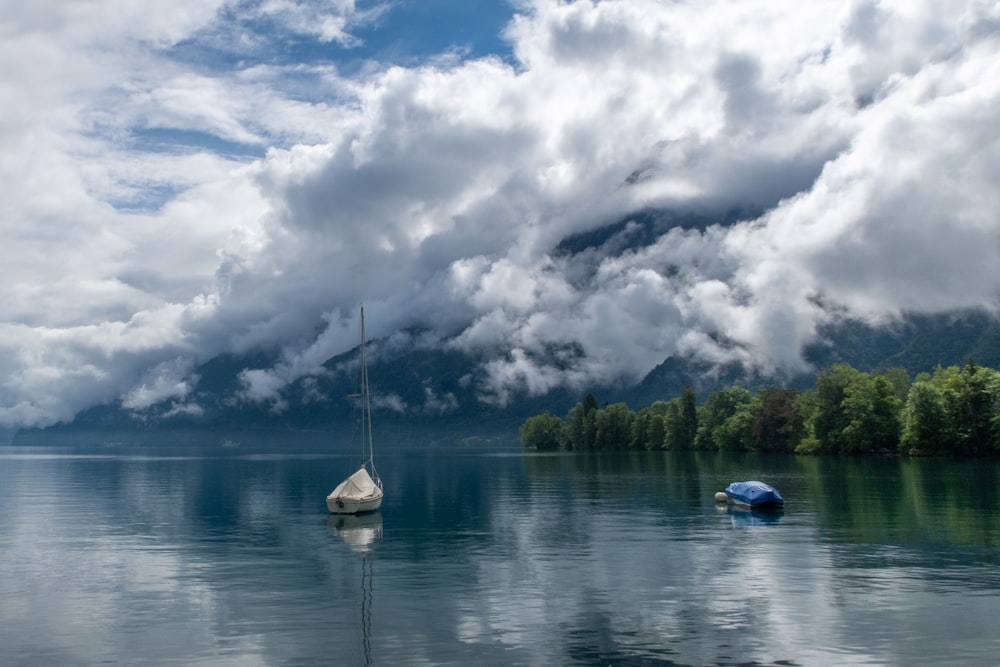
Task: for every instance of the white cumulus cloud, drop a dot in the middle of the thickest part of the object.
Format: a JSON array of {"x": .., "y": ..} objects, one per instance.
[{"x": 177, "y": 187}]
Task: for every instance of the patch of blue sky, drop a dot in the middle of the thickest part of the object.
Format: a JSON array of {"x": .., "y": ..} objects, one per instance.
[
  {"x": 146, "y": 199},
  {"x": 170, "y": 140},
  {"x": 409, "y": 33},
  {"x": 149, "y": 196},
  {"x": 414, "y": 31}
]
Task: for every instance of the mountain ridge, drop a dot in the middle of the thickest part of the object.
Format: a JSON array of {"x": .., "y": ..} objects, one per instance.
[{"x": 426, "y": 389}]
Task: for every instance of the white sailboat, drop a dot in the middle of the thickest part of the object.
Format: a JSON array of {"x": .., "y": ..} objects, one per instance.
[{"x": 362, "y": 491}]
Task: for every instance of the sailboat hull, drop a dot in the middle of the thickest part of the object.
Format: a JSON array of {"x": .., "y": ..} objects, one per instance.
[
  {"x": 356, "y": 494},
  {"x": 353, "y": 506}
]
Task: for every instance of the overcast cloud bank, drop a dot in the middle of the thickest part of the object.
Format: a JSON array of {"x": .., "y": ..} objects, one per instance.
[{"x": 177, "y": 187}]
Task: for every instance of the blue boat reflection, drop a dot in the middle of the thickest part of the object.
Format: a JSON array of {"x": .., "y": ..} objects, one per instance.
[{"x": 752, "y": 518}]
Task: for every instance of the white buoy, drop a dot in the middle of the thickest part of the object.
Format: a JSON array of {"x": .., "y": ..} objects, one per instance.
[{"x": 721, "y": 497}]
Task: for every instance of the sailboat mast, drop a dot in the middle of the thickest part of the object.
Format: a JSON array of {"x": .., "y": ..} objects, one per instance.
[{"x": 366, "y": 425}]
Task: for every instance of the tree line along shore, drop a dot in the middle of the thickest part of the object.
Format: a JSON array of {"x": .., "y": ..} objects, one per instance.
[{"x": 954, "y": 411}]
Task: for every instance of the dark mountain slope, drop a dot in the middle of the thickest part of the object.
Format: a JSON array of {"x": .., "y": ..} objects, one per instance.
[{"x": 433, "y": 391}]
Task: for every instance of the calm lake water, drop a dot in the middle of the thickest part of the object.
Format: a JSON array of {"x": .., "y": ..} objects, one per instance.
[{"x": 226, "y": 555}]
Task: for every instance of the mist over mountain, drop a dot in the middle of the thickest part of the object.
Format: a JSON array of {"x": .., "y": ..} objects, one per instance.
[{"x": 424, "y": 394}]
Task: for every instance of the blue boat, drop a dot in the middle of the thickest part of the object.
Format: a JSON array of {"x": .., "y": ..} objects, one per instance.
[{"x": 755, "y": 495}]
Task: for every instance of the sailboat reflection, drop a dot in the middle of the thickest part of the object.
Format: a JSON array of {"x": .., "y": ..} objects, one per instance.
[{"x": 359, "y": 531}]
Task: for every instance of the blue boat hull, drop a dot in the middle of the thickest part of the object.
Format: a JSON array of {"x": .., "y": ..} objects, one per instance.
[{"x": 755, "y": 495}]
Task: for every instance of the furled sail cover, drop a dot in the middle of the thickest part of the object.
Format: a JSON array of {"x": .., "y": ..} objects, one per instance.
[{"x": 356, "y": 487}]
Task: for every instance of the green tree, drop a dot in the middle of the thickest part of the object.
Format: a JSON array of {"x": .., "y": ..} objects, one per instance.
[
  {"x": 687, "y": 426},
  {"x": 543, "y": 432},
  {"x": 925, "y": 423},
  {"x": 807, "y": 404},
  {"x": 899, "y": 378},
  {"x": 647, "y": 429},
  {"x": 713, "y": 432},
  {"x": 778, "y": 425},
  {"x": 656, "y": 431},
  {"x": 581, "y": 424},
  {"x": 829, "y": 419},
  {"x": 972, "y": 398},
  {"x": 613, "y": 427},
  {"x": 680, "y": 422},
  {"x": 672, "y": 426},
  {"x": 955, "y": 410},
  {"x": 871, "y": 410},
  {"x": 735, "y": 433},
  {"x": 637, "y": 436}
]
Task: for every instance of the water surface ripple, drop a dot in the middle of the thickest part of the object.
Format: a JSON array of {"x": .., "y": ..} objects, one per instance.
[{"x": 221, "y": 557}]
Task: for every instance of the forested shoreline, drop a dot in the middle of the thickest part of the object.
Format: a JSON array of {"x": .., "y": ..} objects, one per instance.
[{"x": 954, "y": 411}]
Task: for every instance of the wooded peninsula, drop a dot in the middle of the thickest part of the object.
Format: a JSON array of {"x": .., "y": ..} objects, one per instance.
[{"x": 951, "y": 412}]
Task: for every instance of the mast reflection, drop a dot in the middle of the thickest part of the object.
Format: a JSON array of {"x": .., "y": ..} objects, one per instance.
[{"x": 360, "y": 532}]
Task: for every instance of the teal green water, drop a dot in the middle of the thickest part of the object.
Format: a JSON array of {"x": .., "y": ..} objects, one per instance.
[{"x": 227, "y": 556}]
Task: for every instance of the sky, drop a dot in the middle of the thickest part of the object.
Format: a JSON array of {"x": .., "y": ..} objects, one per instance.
[{"x": 188, "y": 178}]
